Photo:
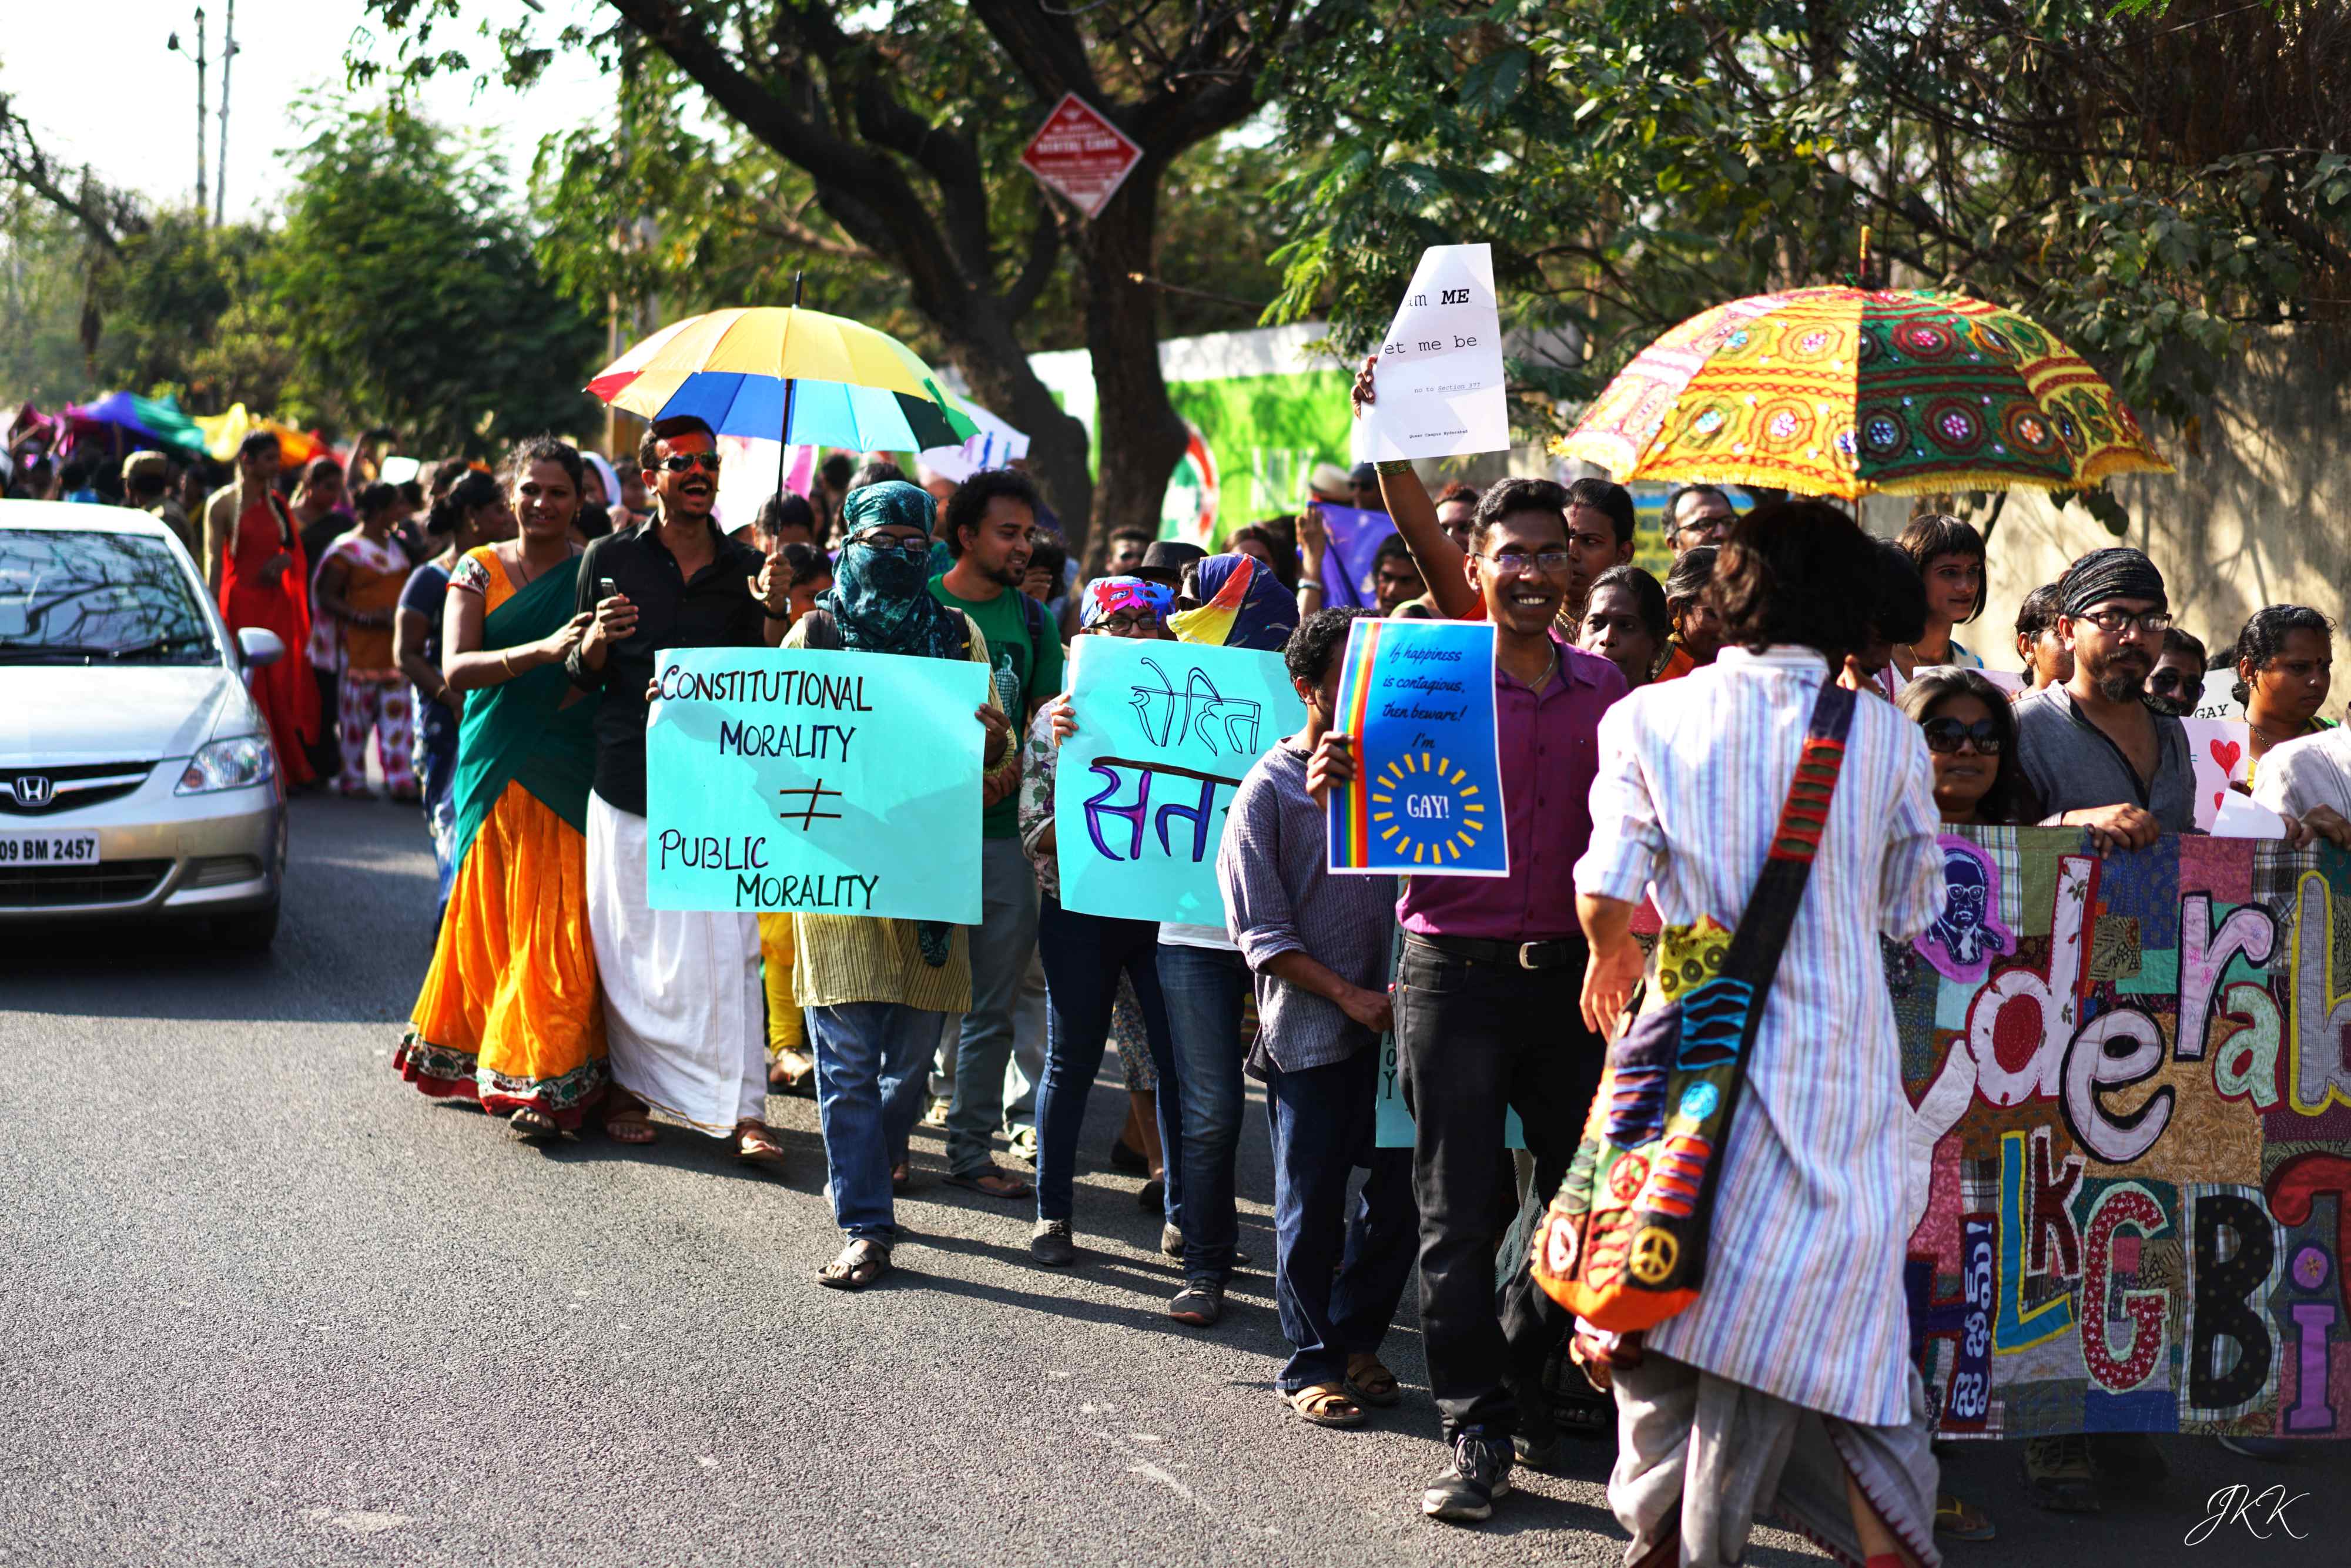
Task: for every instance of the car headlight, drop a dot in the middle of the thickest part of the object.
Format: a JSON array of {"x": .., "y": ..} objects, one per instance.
[{"x": 230, "y": 764}]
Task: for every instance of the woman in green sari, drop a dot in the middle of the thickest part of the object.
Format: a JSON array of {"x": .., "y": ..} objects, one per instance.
[{"x": 509, "y": 1015}]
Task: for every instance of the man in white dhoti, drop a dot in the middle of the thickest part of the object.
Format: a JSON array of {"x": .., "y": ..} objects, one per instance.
[{"x": 684, "y": 1014}]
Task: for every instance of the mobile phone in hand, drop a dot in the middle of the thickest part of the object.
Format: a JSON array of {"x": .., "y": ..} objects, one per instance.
[{"x": 605, "y": 588}]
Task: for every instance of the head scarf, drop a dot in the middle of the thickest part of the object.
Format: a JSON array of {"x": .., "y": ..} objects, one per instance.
[
  {"x": 604, "y": 471},
  {"x": 2119, "y": 572},
  {"x": 881, "y": 599},
  {"x": 1108, "y": 596},
  {"x": 1244, "y": 606}
]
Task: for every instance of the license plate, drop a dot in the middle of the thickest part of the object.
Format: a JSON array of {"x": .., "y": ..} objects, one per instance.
[{"x": 48, "y": 849}]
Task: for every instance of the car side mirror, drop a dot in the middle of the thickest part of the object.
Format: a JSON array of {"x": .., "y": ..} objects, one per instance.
[{"x": 260, "y": 647}]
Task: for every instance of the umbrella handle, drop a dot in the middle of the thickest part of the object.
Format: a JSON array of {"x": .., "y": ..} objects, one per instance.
[{"x": 784, "y": 436}]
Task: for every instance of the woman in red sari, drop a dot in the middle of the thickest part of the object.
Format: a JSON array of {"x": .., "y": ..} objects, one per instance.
[{"x": 263, "y": 582}]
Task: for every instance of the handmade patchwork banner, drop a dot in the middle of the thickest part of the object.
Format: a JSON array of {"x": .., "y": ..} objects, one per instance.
[
  {"x": 1418, "y": 698},
  {"x": 824, "y": 783},
  {"x": 2131, "y": 1078},
  {"x": 1166, "y": 731}
]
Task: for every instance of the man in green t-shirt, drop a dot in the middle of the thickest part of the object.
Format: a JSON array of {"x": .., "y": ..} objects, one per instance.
[{"x": 989, "y": 521}]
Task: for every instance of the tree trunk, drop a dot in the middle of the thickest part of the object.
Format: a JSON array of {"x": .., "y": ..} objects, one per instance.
[
  {"x": 1141, "y": 437},
  {"x": 991, "y": 359}
]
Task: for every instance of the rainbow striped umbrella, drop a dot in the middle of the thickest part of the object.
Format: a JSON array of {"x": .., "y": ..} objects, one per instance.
[{"x": 749, "y": 371}]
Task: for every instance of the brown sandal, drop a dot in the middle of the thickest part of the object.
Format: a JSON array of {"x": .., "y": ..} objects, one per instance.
[
  {"x": 1372, "y": 1382},
  {"x": 860, "y": 1264},
  {"x": 1325, "y": 1404},
  {"x": 755, "y": 1146},
  {"x": 532, "y": 1125},
  {"x": 626, "y": 1121},
  {"x": 792, "y": 1073}
]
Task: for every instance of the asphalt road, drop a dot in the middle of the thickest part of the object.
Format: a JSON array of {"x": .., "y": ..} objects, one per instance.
[{"x": 261, "y": 1302}]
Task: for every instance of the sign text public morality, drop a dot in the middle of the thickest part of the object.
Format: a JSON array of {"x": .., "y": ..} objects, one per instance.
[{"x": 822, "y": 782}]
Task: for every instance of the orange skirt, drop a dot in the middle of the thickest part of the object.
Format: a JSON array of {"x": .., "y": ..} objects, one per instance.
[{"x": 509, "y": 1014}]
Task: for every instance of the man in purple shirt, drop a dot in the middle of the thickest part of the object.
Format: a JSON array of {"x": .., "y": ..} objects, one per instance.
[{"x": 1488, "y": 1014}]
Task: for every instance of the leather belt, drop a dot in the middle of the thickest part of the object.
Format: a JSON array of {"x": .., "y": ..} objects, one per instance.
[{"x": 1553, "y": 954}]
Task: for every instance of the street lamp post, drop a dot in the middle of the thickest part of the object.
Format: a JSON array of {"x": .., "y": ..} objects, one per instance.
[
  {"x": 174, "y": 45},
  {"x": 228, "y": 53}
]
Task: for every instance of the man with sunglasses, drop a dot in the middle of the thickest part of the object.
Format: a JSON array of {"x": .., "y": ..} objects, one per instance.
[
  {"x": 2177, "y": 684},
  {"x": 1488, "y": 989},
  {"x": 2097, "y": 756},
  {"x": 691, "y": 1037}
]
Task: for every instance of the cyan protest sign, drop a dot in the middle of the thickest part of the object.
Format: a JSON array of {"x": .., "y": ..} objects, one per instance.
[
  {"x": 1166, "y": 730},
  {"x": 1418, "y": 698},
  {"x": 824, "y": 783}
]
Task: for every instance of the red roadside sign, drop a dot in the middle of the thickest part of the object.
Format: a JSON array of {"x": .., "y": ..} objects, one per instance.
[{"x": 1081, "y": 154}]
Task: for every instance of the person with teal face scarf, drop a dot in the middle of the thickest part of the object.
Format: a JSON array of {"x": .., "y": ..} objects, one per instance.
[
  {"x": 876, "y": 991},
  {"x": 509, "y": 1014}
]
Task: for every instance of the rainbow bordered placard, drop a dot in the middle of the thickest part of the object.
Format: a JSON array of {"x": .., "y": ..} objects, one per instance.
[{"x": 1418, "y": 698}]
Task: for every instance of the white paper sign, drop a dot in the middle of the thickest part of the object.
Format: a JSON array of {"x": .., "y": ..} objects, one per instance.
[
  {"x": 2240, "y": 817},
  {"x": 1441, "y": 371},
  {"x": 2221, "y": 754}
]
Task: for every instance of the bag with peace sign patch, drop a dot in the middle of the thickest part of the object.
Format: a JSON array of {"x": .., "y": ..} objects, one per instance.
[{"x": 1624, "y": 1245}]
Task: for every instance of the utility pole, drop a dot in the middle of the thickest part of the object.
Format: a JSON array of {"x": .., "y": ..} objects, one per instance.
[
  {"x": 228, "y": 53},
  {"x": 202, "y": 185}
]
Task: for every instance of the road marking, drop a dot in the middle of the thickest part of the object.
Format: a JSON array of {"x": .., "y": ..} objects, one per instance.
[{"x": 358, "y": 1520}]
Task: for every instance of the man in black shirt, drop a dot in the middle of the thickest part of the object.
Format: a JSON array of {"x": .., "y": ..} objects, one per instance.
[{"x": 684, "y": 1010}]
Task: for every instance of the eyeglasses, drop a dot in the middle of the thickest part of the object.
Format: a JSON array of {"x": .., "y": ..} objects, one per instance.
[
  {"x": 2118, "y": 622},
  {"x": 1547, "y": 561},
  {"x": 679, "y": 462},
  {"x": 884, "y": 544},
  {"x": 1705, "y": 528},
  {"x": 1133, "y": 624},
  {"x": 2163, "y": 683},
  {"x": 1945, "y": 735}
]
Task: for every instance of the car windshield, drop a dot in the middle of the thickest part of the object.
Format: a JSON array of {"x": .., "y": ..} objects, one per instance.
[{"x": 72, "y": 597}]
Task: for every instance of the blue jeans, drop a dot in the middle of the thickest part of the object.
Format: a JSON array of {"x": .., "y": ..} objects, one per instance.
[
  {"x": 870, "y": 1061},
  {"x": 1000, "y": 945},
  {"x": 1322, "y": 1120},
  {"x": 1203, "y": 987},
  {"x": 1085, "y": 956}
]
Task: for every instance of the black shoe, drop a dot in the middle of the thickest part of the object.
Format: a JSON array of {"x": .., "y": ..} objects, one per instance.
[
  {"x": 1537, "y": 1452},
  {"x": 1125, "y": 1156},
  {"x": 1466, "y": 1489},
  {"x": 1171, "y": 1245},
  {"x": 1200, "y": 1302},
  {"x": 1153, "y": 1197},
  {"x": 1049, "y": 1244}
]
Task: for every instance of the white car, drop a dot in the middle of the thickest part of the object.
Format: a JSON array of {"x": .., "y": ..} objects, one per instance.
[{"x": 136, "y": 777}]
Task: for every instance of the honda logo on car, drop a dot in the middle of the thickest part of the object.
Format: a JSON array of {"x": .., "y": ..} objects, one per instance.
[{"x": 33, "y": 790}]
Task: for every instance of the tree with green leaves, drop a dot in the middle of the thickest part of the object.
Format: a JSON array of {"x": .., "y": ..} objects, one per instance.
[
  {"x": 907, "y": 122},
  {"x": 406, "y": 284},
  {"x": 1634, "y": 162}
]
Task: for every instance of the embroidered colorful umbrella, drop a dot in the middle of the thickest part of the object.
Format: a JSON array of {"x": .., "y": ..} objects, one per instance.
[
  {"x": 749, "y": 371},
  {"x": 1846, "y": 392}
]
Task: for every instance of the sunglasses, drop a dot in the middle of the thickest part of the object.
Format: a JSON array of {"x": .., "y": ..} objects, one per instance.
[
  {"x": 2163, "y": 683},
  {"x": 679, "y": 462},
  {"x": 1944, "y": 736}
]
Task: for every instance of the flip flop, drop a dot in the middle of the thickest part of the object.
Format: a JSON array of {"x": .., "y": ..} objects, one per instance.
[
  {"x": 860, "y": 1264},
  {"x": 754, "y": 1144},
  {"x": 1007, "y": 1186}
]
